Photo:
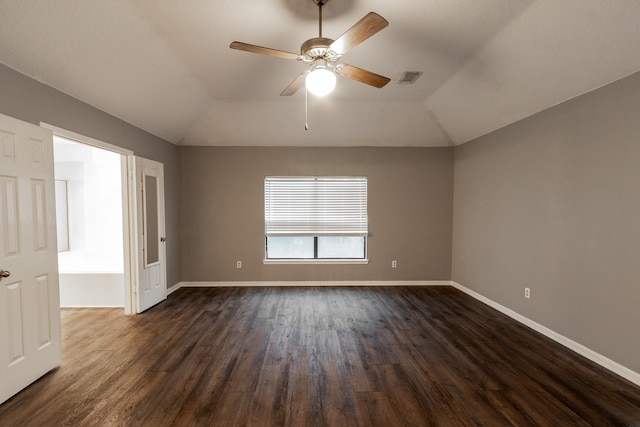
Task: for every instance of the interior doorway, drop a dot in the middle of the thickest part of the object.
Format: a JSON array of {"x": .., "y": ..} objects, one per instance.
[{"x": 93, "y": 208}]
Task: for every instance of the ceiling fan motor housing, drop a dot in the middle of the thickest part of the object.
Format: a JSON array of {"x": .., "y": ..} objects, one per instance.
[{"x": 316, "y": 47}]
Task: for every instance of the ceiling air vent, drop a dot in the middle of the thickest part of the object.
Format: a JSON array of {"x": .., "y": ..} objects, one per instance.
[{"x": 409, "y": 77}]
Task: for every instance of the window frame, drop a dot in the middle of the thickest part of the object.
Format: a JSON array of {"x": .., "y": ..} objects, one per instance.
[{"x": 315, "y": 236}]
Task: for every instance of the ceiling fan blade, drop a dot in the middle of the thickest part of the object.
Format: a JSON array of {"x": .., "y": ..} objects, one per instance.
[
  {"x": 362, "y": 76},
  {"x": 295, "y": 85},
  {"x": 361, "y": 30},
  {"x": 263, "y": 50}
]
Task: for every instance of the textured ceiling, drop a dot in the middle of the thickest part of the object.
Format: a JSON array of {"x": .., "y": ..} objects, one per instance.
[{"x": 166, "y": 67}]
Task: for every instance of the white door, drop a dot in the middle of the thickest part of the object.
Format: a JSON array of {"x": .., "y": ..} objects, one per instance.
[
  {"x": 29, "y": 296},
  {"x": 151, "y": 254}
]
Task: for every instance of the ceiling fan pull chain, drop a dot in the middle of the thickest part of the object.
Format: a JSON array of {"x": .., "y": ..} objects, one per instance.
[{"x": 306, "y": 108}]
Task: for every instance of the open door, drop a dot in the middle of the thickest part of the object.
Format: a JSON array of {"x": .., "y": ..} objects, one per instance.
[
  {"x": 30, "y": 338},
  {"x": 151, "y": 254}
]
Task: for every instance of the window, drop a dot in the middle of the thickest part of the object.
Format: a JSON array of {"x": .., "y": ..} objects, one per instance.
[{"x": 316, "y": 218}]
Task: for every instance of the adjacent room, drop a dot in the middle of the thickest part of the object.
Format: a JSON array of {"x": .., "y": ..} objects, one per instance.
[
  {"x": 89, "y": 219},
  {"x": 448, "y": 235}
]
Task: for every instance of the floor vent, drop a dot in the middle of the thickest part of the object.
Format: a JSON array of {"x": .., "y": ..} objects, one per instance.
[{"x": 409, "y": 77}]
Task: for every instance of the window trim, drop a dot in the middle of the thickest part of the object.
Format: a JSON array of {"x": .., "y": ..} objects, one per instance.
[{"x": 315, "y": 261}]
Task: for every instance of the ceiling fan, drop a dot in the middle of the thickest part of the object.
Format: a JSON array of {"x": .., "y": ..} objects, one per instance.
[{"x": 323, "y": 55}]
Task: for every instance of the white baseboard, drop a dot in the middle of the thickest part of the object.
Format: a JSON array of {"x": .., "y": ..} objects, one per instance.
[
  {"x": 311, "y": 283},
  {"x": 601, "y": 360},
  {"x": 90, "y": 306},
  {"x": 174, "y": 288}
]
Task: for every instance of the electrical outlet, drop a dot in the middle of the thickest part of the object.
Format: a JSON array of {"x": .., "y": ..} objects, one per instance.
[
  {"x": 527, "y": 293},
  {"x": 394, "y": 263},
  {"x": 238, "y": 264}
]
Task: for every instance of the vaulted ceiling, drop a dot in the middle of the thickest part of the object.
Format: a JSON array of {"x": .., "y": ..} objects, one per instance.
[{"x": 166, "y": 66}]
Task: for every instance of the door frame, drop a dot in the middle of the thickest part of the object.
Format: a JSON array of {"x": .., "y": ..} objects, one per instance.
[{"x": 129, "y": 237}]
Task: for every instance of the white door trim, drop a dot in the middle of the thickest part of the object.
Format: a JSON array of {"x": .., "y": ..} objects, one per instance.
[
  {"x": 86, "y": 139},
  {"x": 128, "y": 203}
]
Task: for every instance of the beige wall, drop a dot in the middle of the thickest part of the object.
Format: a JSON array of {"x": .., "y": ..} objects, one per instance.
[
  {"x": 28, "y": 100},
  {"x": 553, "y": 203},
  {"x": 222, "y": 217}
]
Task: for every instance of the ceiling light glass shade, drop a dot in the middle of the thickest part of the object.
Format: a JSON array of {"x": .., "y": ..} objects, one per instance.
[{"x": 320, "y": 81}]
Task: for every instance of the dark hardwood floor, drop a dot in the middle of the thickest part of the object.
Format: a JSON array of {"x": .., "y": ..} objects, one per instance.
[{"x": 318, "y": 356}]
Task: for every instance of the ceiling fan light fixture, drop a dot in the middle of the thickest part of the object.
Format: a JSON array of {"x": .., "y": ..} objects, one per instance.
[{"x": 320, "y": 81}]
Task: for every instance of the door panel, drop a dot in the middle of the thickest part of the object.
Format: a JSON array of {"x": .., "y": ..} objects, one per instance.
[
  {"x": 44, "y": 316},
  {"x": 9, "y": 215},
  {"x": 39, "y": 224},
  {"x": 29, "y": 295},
  {"x": 152, "y": 282},
  {"x": 14, "y": 320}
]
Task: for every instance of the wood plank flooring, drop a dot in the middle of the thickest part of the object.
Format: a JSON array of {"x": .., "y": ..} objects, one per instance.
[{"x": 411, "y": 356}]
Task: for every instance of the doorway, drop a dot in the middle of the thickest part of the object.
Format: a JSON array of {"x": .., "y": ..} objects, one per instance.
[
  {"x": 89, "y": 225},
  {"x": 92, "y": 215}
]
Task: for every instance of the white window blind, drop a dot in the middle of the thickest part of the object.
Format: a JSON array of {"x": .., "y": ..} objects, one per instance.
[{"x": 313, "y": 206}]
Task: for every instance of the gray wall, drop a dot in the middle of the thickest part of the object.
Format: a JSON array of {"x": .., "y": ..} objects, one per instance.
[
  {"x": 28, "y": 100},
  {"x": 553, "y": 203},
  {"x": 222, "y": 217}
]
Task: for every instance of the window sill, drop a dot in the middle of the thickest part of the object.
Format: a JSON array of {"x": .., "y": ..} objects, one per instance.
[{"x": 316, "y": 261}]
